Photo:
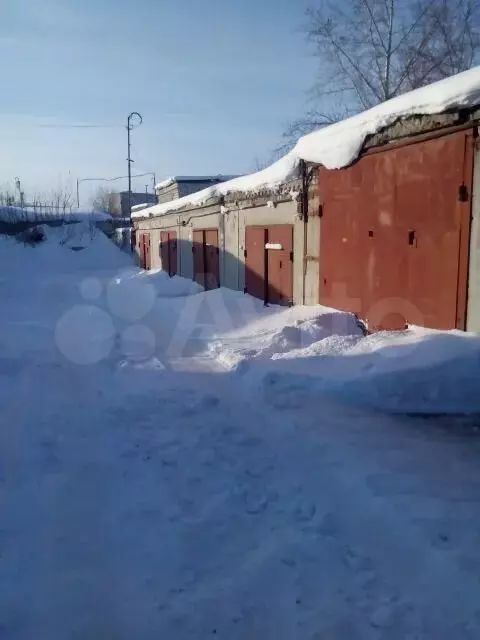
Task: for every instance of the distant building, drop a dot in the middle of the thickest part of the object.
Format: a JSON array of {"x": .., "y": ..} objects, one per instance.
[
  {"x": 179, "y": 186},
  {"x": 119, "y": 202}
]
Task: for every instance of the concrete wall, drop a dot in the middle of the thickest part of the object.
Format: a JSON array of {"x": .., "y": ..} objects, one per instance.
[
  {"x": 184, "y": 225},
  {"x": 473, "y": 310},
  {"x": 231, "y": 223},
  {"x": 119, "y": 203},
  {"x": 183, "y": 188},
  {"x": 167, "y": 194}
]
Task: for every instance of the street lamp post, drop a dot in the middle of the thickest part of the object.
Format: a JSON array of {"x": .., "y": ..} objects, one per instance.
[{"x": 132, "y": 116}]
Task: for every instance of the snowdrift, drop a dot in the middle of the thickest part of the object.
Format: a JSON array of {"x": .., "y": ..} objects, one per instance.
[
  {"x": 67, "y": 248},
  {"x": 320, "y": 350},
  {"x": 79, "y": 275},
  {"x": 429, "y": 373},
  {"x": 13, "y": 214},
  {"x": 165, "y": 286},
  {"x": 272, "y": 332}
]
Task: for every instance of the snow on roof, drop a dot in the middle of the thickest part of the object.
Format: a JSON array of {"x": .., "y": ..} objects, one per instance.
[
  {"x": 338, "y": 145},
  {"x": 165, "y": 183},
  {"x": 172, "y": 179},
  {"x": 139, "y": 207},
  {"x": 273, "y": 176}
]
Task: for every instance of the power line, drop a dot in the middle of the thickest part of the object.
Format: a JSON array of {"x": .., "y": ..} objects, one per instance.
[{"x": 79, "y": 126}]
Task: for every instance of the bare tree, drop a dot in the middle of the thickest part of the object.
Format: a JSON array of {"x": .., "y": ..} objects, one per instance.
[
  {"x": 102, "y": 201},
  {"x": 372, "y": 50},
  {"x": 7, "y": 196},
  {"x": 56, "y": 205}
]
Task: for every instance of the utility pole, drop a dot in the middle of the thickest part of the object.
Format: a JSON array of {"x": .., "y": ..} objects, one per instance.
[
  {"x": 130, "y": 126},
  {"x": 80, "y": 180},
  {"x": 21, "y": 194}
]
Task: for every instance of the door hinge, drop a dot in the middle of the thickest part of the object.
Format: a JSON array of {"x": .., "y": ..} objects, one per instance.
[
  {"x": 463, "y": 195},
  {"x": 245, "y": 290},
  {"x": 244, "y": 253},
  {"x": 291, "y": 256}
]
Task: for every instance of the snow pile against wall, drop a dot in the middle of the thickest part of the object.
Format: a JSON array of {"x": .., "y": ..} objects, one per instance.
[
  {"x": 338, "y": 145},
  {"x": 317, "y": 350},
  {"x": 272, "y": 331},
  {"x": 159, "y": 282},
  {"x": 424, "y": 372},
  {"x": 122, "y": 237}
]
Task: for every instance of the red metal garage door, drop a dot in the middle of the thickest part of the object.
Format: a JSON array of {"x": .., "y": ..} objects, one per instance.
[
  {"x": 173, "y": 252},
  {"x": 168, "y": 251},
  {"x": 198, "y": 250},
  {"x": 148, "y": 253},
  {"x": 212, "y": 262},
  {"x": 255, "y": 281},
  {"x": 279, "y": 247},
  {"x": 269, "y": 263},
  {"x": 144, "y": 250},
  {"x": 395, "y": 234},
  {"x": 206, "y": 266},
  {"x": 164, "y": 254}
]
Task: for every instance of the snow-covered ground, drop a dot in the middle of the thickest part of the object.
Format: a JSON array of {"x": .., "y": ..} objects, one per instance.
[
  {"x": 30, "y": 213},
  {"x": 181, "y": 464}
]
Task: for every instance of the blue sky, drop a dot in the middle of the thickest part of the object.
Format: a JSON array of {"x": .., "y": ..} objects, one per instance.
[{"x": 215, "y": 81}]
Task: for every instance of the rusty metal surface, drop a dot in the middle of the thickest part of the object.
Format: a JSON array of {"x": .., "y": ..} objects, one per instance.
[
  {"x": 198, "y": 257},
  {"x": 465, "y": 214},
  {"x": 172, "y": 253},
  {"x": 144, "y": 251},
  {"x": 164, "y": 253},
  {"x": 148, "y": 253},
  {"x": 212, "y": 264},
  {"x": 280, "y": 264},
  {"x": 394, "y": 234},
  {"x": 168, "y": 251},
  {"x": 269, "y": 272},
  {"x": 206, "y": 264},
  {"x": 255, "y": 238}
]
